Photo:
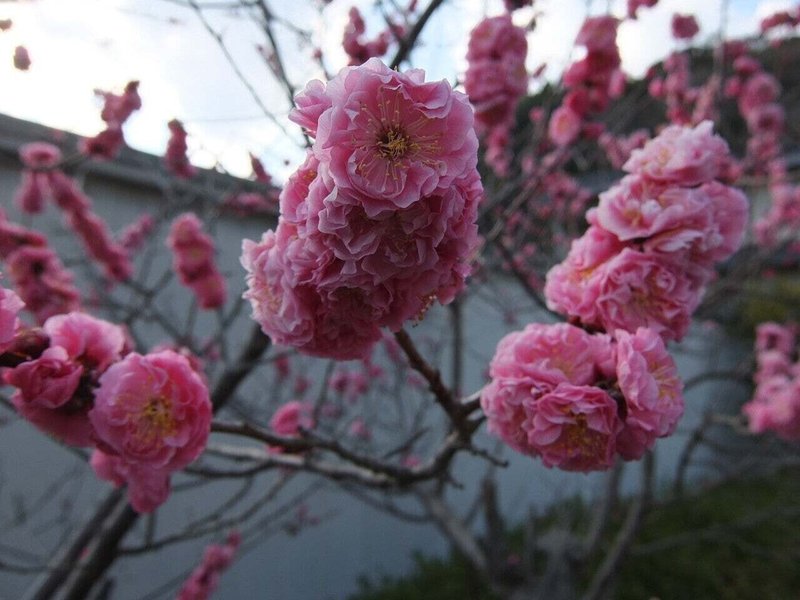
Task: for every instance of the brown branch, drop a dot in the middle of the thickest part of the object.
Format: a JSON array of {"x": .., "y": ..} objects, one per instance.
[{"x": 408, "y": 41}]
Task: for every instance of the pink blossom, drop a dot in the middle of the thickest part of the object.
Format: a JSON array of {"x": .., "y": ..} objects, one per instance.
[
  {"x": 48, "y": 381},
  {"x": 193, "y": 260},
  {"x": 175, "y": 158},
  {"x": 310, "y": 103},
  {"x": 117, "y": 108},
  {"x": 598, "y": 34},
  {"x": 391, "y": 138},
  {"x": 774, "y": 336},
  {"x": 564, "y": 127},
  {"x": 10, "y": 305},
  {"x": 684, "y": 27},
  {"x": 147, "y": 488},
  {"x": 68, "y": 424},
  {"x": 94, "y": 343},
  {"x": 30, "y": 196},
  {"x": 134, "y": 235},
  {"x": 152, "y": 410},
  {"x": 205, "y": 578},
  {"x": 651, "y": 388},
  {"x": 572, "y": 287},
  {"x": 259, "y": 171},
  {"x": 291, "y": 417},
  {"x": 22, "y": 60},
  {"x": 777, "y": 409},
  {"x": 643, "y": 290},
  {"x": 681, "y": 156},
  {"x": 635, "y": 5},
  {"x": 41, "y": 281},
  {"x": 574, "y": 428},
  {"x": 104, "y": 145},
  {"x": 39, "y": 155}
]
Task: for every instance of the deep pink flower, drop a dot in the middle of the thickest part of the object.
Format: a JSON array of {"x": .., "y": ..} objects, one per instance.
[
  {"x": 48, "y": 381},
  {"x": 598, "y": 34},
  {"x": 574, "y": 428},
  {"x": 774, "y": 336},
  {"x": 22, "y": 59},
  {"x": 391, "y": 138},
  {"x": 291, "y": 417},
  {"x": 70, "y": 426},
  {"x": 193, "y": 260},
  {"x": 41, "y": 281},
  {"x": 30, "y": 196},
  {"x": 684, "y": 27},
  {"x": 652, "y": 389},
  {"x": 204, "y": 579},
  {"x": 776, "y": 409},
  {"x": 152, "y": 410},
  {"x": 175, "y": 158},
  {"x": 147, "y": 488}
]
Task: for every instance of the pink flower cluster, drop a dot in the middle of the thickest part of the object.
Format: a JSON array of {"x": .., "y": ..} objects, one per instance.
[
  {"x": 578, "y": 400},
  {"x": 357, "y": 49},
  {"x": 291, "y": 417},
  {"x": 175, "y": 158},
  {"x": 36, "y": 272},
  {"x": 134, "y": 235},
  {"x": 776, "y": 402},
  {"x": 782, "y": 18},
  {"x": 146, "y": 416},
  {"x": 42, "y": 179},
  {"x": 618, "y": 149},
  {"x": 205, "y": 578},
  {"x": 117, "y": 108},
  {"x": 591, "y": 82},
  {"x": 495, "y": 81},
  {"x": 378, "y": 222},
  {"x": 654, "y": 238},
  {"x": 193, "y": 261}
]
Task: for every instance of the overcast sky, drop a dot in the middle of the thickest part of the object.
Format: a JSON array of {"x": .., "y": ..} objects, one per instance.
[{"x": 79, "y": 45}]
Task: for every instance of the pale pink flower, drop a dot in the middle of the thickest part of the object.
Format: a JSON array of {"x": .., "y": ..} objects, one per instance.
[
  {"x": 574, "y": 428},
  {"x": 645, "y": 290},
  {"x": 777, "y": 411},
  {"x": 48, "y": 381},
  {"x": 681, "y": 156},
  {"x": 565, "y": 126},
  {"x": 652, "y": 390},
  {"x": 147, "y": 488},
  {"x": 152, "y": 410},
  {"x": 391, "y": 138},
  {"x": 572, "y": 286},
  {"x": 310, "y": 103}
]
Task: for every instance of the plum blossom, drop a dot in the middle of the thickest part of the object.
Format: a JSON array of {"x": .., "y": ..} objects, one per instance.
[
  {"x": 147, "y": 488},
  {"x": 193, "y": 260},
  {"x": 10, "y": 305},
  {"x": 378, "y": 222},
  {"x": 152, "y": 411},
  {"x": 175, "y": 158},
  {"x": 578, "y": 400},
  {"x": 291, "y": 417},
  {"x": 205, "y": 577},
  {"x": 684, "y": 27}
]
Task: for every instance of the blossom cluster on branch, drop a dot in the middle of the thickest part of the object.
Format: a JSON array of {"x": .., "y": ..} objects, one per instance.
[
  {"x": 378, "y": 222},
  {"x": 775, "y": 405}
]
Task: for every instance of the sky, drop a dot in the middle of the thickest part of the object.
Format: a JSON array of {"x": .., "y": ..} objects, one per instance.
[{"x": 77, "y": 46}]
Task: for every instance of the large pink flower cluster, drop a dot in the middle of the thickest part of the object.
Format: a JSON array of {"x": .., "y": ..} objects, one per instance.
[
  {"x": 495, "y": 81},
  {"x": 776, "y": 402},
  {"x": 578, "y": 400},
  {"x": 654, "y": 238},
  {"x": 193, "y": 260},
  {"x": 380, "y": 219}
]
